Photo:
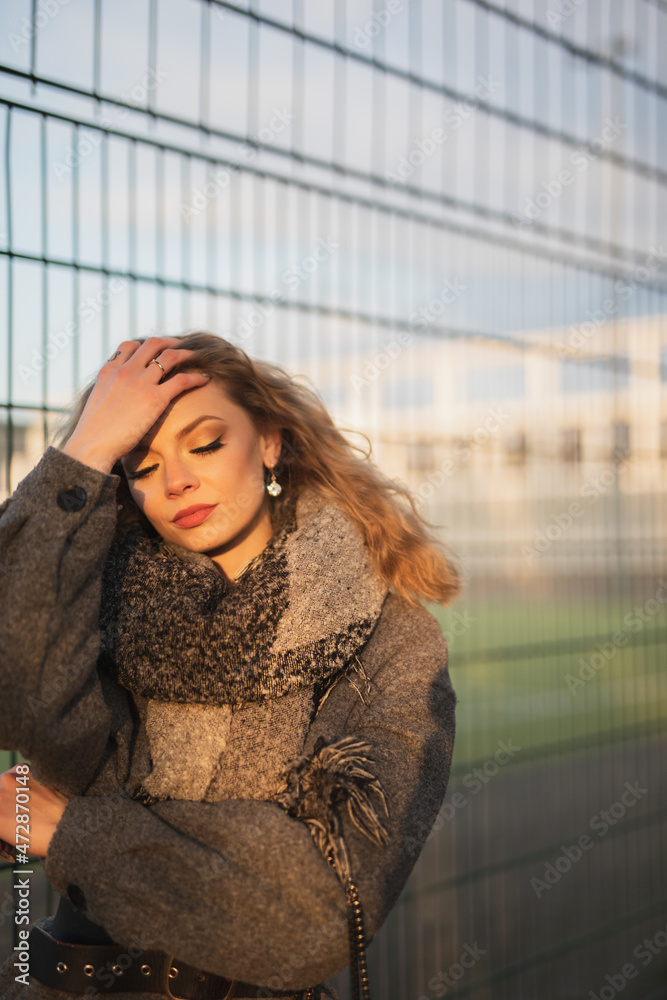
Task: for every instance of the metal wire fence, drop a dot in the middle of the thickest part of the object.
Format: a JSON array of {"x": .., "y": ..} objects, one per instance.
[{"x": 449, "y": 217}]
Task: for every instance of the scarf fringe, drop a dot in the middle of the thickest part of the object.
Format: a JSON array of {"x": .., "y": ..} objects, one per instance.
[{"x": 316, "y": 787}]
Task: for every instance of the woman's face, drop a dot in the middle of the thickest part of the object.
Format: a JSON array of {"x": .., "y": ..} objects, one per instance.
[{"x": 205, "y": 453}]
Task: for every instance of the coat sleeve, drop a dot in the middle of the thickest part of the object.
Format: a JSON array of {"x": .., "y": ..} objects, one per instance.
[
  {"x": 55, "y": 532},
  {"x": 239, "y": 887}
]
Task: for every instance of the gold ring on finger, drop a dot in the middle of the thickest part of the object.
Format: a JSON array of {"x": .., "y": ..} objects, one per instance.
[{"x": 156, "y": 362}]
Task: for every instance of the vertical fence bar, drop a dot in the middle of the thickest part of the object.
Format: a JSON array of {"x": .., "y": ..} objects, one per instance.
[
  {"x": 132, "y": 236},
  {"x": 44, "y": 269},
  {"x": 10, "y": 295},
  {"x": 76, "y": 292}
]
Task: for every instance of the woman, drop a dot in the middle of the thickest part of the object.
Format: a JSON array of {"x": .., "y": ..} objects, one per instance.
[{"x": 238, "y": 716}]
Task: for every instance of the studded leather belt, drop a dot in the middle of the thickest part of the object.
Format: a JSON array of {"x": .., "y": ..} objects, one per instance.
[{"x": 97, "y": 969}]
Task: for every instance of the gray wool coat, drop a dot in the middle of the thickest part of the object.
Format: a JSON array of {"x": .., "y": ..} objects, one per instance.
[{"x": 236, "y": 886}]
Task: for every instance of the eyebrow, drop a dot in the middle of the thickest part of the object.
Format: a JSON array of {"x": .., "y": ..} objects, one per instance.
[{"x": 183, "y": 431}]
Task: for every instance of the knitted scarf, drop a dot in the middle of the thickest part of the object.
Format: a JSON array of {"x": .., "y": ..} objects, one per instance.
[
  {"x": 172, "y": 628},
  {"x": 229, "y": 675}
]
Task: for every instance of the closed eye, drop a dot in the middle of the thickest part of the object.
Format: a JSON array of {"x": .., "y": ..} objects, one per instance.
[{"x": 205, "y": 449}]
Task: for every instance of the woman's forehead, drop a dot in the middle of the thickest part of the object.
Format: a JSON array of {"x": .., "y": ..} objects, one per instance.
[
  {"x": 193, "y": 406},
  {"x": 209, "y": 398}
]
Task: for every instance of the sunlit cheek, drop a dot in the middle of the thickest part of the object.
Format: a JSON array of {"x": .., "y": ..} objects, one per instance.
[
  {"x": 240, "y": 499},
  {"x": 255, "y": 474}
]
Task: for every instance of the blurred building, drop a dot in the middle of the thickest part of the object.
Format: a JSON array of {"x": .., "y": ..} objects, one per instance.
[{"x": 528, "y": 444}]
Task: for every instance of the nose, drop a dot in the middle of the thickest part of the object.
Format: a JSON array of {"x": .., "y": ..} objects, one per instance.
[{"x": 179, "y": 478}]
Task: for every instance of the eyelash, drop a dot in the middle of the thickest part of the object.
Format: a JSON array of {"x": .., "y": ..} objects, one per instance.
[{"x": 206, "y": 449}]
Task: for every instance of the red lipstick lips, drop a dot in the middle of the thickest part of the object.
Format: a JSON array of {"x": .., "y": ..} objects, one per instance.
[{"x": 191, "y": 516}]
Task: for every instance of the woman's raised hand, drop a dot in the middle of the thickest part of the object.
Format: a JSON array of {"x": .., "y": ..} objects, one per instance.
[{"x": 127, "y": 400}]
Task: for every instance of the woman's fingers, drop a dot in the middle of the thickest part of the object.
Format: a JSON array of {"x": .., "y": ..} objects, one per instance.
[
  {"x": 135, "y": 358},
  {"x": 124, "y": 350},
  {"x": 156, "y": 356},
  {"x": 166, "y": 359},
  {"x": 7, "y": 851},
  {"x": 142, "y": 352},
  {"x": 47, "y": 793}
]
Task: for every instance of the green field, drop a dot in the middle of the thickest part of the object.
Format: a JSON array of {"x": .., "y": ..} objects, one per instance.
[{"x": 535, "y": 672}]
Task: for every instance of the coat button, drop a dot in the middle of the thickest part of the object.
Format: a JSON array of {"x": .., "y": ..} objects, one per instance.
[
  {"x": 77, "y": 897},
  {"x": 73, "y": 498}
]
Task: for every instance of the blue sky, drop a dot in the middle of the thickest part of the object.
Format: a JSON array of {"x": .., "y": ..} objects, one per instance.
[{"x": 252, "y": 231}]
